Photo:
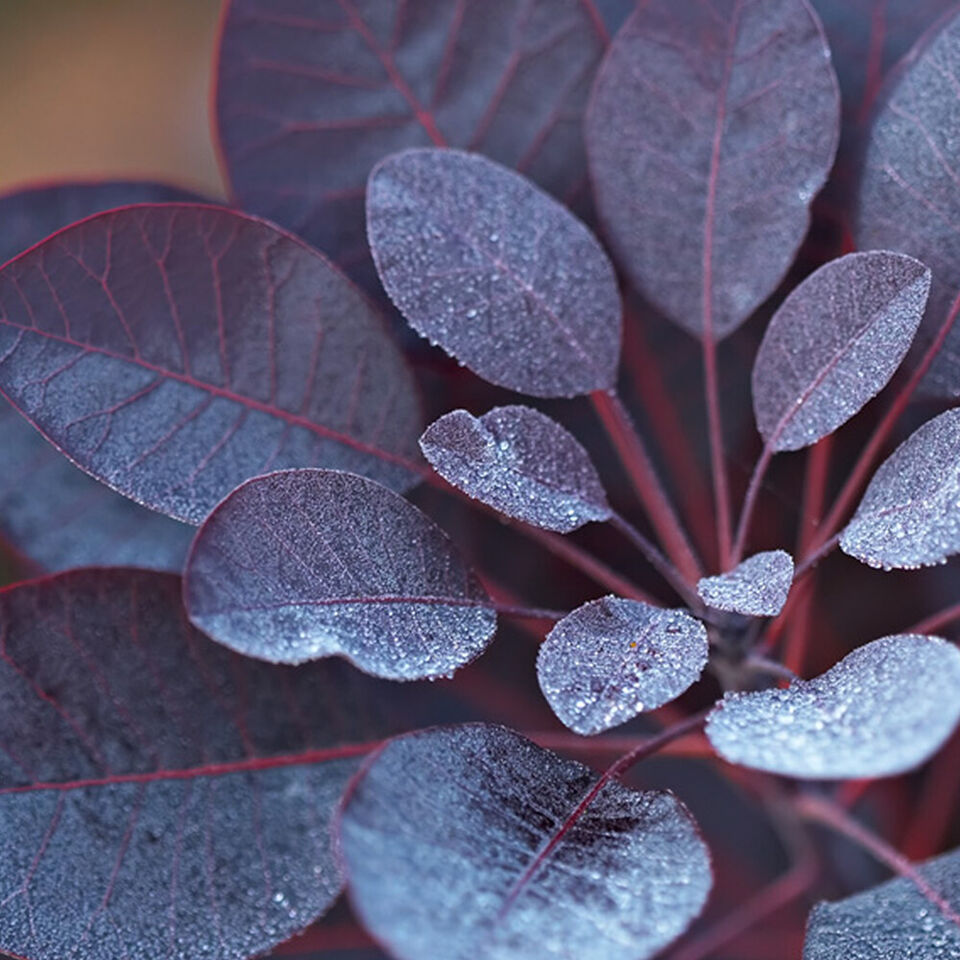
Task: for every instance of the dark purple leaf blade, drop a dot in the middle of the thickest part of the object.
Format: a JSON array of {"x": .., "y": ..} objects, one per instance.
[
  {"x": 499, "y": 274},
  {"x": 882, "y": 710},
  {"x": 520, "y": 462},
  {"x": 710, "y": 129},
  {"x": 834, "y": 344},
  {"x": 173, "y": 351},
  {"x": 304, "y": 564},
  {"x": 757, "y": 587},
  {"x": 461, "y": 814},
  {"x": 612, "y": 659}
]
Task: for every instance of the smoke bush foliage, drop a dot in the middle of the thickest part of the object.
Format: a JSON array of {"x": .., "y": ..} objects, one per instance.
[{"x": 290, "y": 513}]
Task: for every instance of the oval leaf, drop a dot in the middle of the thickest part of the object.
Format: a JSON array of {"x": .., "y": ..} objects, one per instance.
[
  {"x": 497, "y": 273},
  {"x": 305, "y": 564},
  {"x": 882, "y": 710},
  {"x": 520, "y": 462},
  {"x": 612, "y": 658},
  {"x": 758, "y": 587},
  {"x": 711, "y": 128},
  {"x": 498, "y": 860},
  {"x": 174, "y": 351},
  {"x": 834, "y": 344}
]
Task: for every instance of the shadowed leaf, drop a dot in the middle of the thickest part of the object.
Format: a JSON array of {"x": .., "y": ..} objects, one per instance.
[{"x": 757, "y": 587}]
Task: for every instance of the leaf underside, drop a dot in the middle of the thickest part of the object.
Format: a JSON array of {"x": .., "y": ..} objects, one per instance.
[{"x": 757, "y": 587}]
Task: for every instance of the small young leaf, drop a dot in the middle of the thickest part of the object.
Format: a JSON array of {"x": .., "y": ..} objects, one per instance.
[
  {"x": 834, "y": 344},
  {"x": 612, "y": 658},
  {"x": 884, "y": 709},
  {"x": 487, "y": 266},
  {"x": 710, "y": 129},
  {"x": 520, "y": 462},
  {"x": 908, "y": 516},
  {"x": 758, "y": 587},
  {"x": 498, "y": 861},
  {"x": 892, "y": 921},
  {"x": 304, "y": 564}
]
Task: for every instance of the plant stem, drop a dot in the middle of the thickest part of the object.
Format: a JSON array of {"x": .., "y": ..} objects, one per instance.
[
  {"x": 718, "y": 468},
  {"x": 749, "y": 504},
  {"x": 812, "y": 558},
  {"x": 936, "y": 620},
  {"x": 698, "y": 746},
  {"x": 528, "y": 613}
]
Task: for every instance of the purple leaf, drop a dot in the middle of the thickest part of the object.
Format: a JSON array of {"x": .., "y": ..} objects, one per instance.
[
  {"x": 174, "y": 351},
  {"x": 757, "y": 587},
  {"x": 497, "y": 273},
  {"x": 305, "y": 564},
  {"x": 908, "y": 516},
  {"x": 834, "y": 344},
  {"x": 520, "y": 462},
  {"x": 497, "y": 859},
  {"x": 711, "y": 128},
  {"x": 883, "y": 709},
  {"x": 612, "y": 658}
]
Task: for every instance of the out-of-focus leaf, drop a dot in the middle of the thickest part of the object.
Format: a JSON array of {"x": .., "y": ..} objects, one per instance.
[
  {"x": 500, "y": 861},
  {"x": 520, "y": 462},
  {"x": 304, "y": 564},
  {"x": 892, "y": 921},
  {"x": 711, "y": 128},
  {"x": 757, "y": 587},
  {"x": 908, "y": 516},
  {"x": 613, "y": 658},
  {"x": 834, "y": 344},
  {"x": 495, "y": 271},
  {"x": 883, "y": 709}
]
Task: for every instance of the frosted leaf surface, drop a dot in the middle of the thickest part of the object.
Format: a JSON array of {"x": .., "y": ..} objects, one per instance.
[
  {"x": 496, "y": 272},
  {"x": 614, "y": 658},
  {"x": 498, "y": 863},
  {"x": 304, "y": 564},
  {"x": 520, "y": 462},
  {"x": 883, "y": 709},
  {"x": 758, "y": 587},
  {"x": 892, "y": 921},
  {"x": 834, "y": 344},
  {"x": 909, "y": 515}
]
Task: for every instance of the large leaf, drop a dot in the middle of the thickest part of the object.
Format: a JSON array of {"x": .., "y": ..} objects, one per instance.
[
  {"x": 500, "y": 860},
  {"x": 520, "y": 462},
  {"x": 173, "y": 351},
  {"x": 613, "y": 658},
  {"x": 160, "y": 796},
  {"x": 305, "y": 564},
  {"x": 883, "y": 709},
  {"x": 908, "y": 516},
  {"x": 757, "y": 587},
  {"x": 711, "y": 128},
  {"x": 834, "y": 344},
  {"x": 496, "y": 272}
]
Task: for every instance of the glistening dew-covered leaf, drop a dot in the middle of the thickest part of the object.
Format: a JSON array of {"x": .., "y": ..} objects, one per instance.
[
  {"x": 892, "y": 921},
  {"x": 834, "y": 344},
  {"x": 492, "y": 269},
  {"x": 908, "y": 516},
  {"x": 174, "y": 351},
  {"x": 614, "y": 658},
  {"x": 710, "y": 129},
  {"x": 304, "y": 564},
  {"x": 159, "y": 795},
  {"x": 520, "y": 462},
  {"x": 757, "y": 587},
  {"x": 500, "y": 863},
  {"x": 883, "y": 709}
]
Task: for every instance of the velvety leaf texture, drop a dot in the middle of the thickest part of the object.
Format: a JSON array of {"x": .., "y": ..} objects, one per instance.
[
  {"x": 493, "y": 270},
  {"x": 711, "y": 128},
  {"x": 908, "y": 516},
  {"x": 892, "y": 921},
  {"x": 159, "y": 795},
  {"x": 613, "y": 658},
  {"x": 312, "y": 93},
  {"x": 834, "y": 344},
  {"x": 883, "y": 709},
  {"x": 173, "y": 351},
  {"x": 757, "y": 587},
  {"x": 477, "y": 821},
  {"x": 520, "y": 462},
  {"x": 304, "y": 564}
]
